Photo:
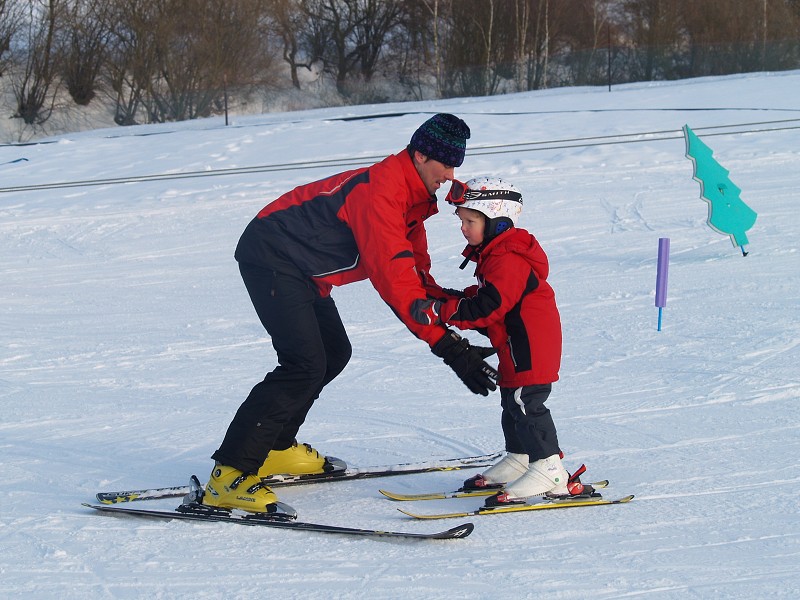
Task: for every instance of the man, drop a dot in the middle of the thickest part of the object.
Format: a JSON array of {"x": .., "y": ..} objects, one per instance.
[{"x": 361, "y": 224}]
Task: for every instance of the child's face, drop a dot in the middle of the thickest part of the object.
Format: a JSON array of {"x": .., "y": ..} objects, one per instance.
[{"x": 472, "y": 225}]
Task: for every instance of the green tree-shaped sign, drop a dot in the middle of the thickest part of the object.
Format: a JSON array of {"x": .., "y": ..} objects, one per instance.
[{"x": 727, "y": 213}]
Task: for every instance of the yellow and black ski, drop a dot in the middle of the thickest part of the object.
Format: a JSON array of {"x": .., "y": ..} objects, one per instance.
[
  {"x": 463, "y": 493},
  {"x": 542, "y": 504},
  {"x": 348, "y": 474}
]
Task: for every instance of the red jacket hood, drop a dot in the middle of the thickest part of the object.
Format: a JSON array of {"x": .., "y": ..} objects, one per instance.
[{"x": 517, "y": 241}]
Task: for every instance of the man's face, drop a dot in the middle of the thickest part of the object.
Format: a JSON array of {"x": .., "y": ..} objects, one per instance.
[{"x": 432, "y": 172}]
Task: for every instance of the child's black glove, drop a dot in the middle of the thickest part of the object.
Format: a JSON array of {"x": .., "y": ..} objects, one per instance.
[{"x": 467, "y": 362}]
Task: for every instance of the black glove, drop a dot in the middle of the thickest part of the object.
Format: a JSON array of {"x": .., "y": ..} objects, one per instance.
[{"x": 467, "y": 362}]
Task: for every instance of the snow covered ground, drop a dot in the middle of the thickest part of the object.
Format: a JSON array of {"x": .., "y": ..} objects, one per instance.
[{"x": 128, "y": 342}]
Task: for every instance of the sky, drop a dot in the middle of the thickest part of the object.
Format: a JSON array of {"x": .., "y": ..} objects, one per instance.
[{"x": 129, "y": 342}]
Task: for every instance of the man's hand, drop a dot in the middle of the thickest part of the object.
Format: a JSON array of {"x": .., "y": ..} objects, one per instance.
[{"x": 467, "y": 362}]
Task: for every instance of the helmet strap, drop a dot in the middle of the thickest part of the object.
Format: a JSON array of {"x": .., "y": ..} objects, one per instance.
[{"x": 472, "y": 253}]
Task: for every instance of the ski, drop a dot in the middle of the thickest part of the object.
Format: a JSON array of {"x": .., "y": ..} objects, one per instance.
[
  {"x": 465, "y": 493},
  {"x": 460, "y": 531},
  {"x": 349, "y": 474},
  {"x": 541, "y": 505}
]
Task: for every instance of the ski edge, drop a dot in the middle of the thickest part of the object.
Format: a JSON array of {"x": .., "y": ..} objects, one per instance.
[
  {"x": 461, "y": 493},
  {"x": 457, "y": 532},
  {"x": 519, "y": 508}
]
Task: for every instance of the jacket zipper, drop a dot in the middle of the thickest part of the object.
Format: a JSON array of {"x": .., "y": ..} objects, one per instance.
[{"x": 511, "y": 351}]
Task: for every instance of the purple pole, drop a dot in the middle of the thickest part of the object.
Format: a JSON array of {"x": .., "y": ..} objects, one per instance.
[{"x": 661, "y": 276}]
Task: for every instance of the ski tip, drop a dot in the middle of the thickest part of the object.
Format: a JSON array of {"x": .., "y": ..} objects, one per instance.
[
  {"x": 436, "y": 516},
  {"x": 412, "y": 515},
  {"x": 100, "y": 506},
  {"x": 461, "y": 531},
  {"x": 409, "y": 497}
]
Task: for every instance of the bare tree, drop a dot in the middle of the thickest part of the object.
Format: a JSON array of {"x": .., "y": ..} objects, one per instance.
[
  {"x": 584, "y": 38},
  {"x": 471, "y": 53},
  {"x": 549, "y": 27},
  {"x": 35, "y": 81},
  {"x": 88, "y": 32},
  {"x": 433, "y": 6},
  {"x": 11, "y": 19},
  {"x": 131, "y": 67},
  {"x": 379, "y": 19},
  {"x": 534, "y": 51},
  {"x": 415, "y": 51},
  {"x": 354, "y": 34},
  {"x": 551, "y": 31},
  {"x": 751, "y": 36},
  {"x": 174, "y": 59},
  {"x": 181, "y": 59},
  {"x": 298, "y": 36},
  {"x": 655, "y": 29},
  {"x": 495, "y": 45},
  {"x": 522, "y": 32},
  {"x": 781, "y": 35}
]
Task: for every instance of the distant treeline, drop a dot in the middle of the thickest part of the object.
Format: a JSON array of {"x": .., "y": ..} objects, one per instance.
[{"x": 164, "y": 60}]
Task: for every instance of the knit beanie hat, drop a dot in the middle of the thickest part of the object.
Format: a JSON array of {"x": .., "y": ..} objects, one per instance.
[{"x": 443, "y": 137}]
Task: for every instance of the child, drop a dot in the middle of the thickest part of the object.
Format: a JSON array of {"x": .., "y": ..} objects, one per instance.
[{"x": 515, "y": 306}]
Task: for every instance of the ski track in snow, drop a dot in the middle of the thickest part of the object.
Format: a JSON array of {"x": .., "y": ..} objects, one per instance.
[{"x": 129, "y": 342}]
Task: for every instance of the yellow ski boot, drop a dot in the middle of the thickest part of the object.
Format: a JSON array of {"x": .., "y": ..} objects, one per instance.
[
  {"x": 299, "y": 459},
  {"x": 230, "y": 488}
]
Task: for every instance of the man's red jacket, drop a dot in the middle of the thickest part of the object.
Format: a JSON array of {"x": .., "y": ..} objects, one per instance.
[
  {"x": 362, "y": 224},
  {"x": 515, "y": 306}
]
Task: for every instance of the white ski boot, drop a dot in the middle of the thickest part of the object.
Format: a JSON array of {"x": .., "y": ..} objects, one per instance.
[
  {"x": 543, "y": 477},
  {"x": 510, "y": 467}
]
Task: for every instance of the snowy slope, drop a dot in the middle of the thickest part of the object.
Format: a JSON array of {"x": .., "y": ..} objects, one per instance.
[{"x": 129, "y": 342}]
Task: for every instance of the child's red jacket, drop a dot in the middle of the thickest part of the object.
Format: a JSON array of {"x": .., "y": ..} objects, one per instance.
[{"x": 515, "y": 306}]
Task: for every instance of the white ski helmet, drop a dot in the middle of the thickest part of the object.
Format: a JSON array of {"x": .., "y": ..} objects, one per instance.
[{"x": 498, "y": 200}]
